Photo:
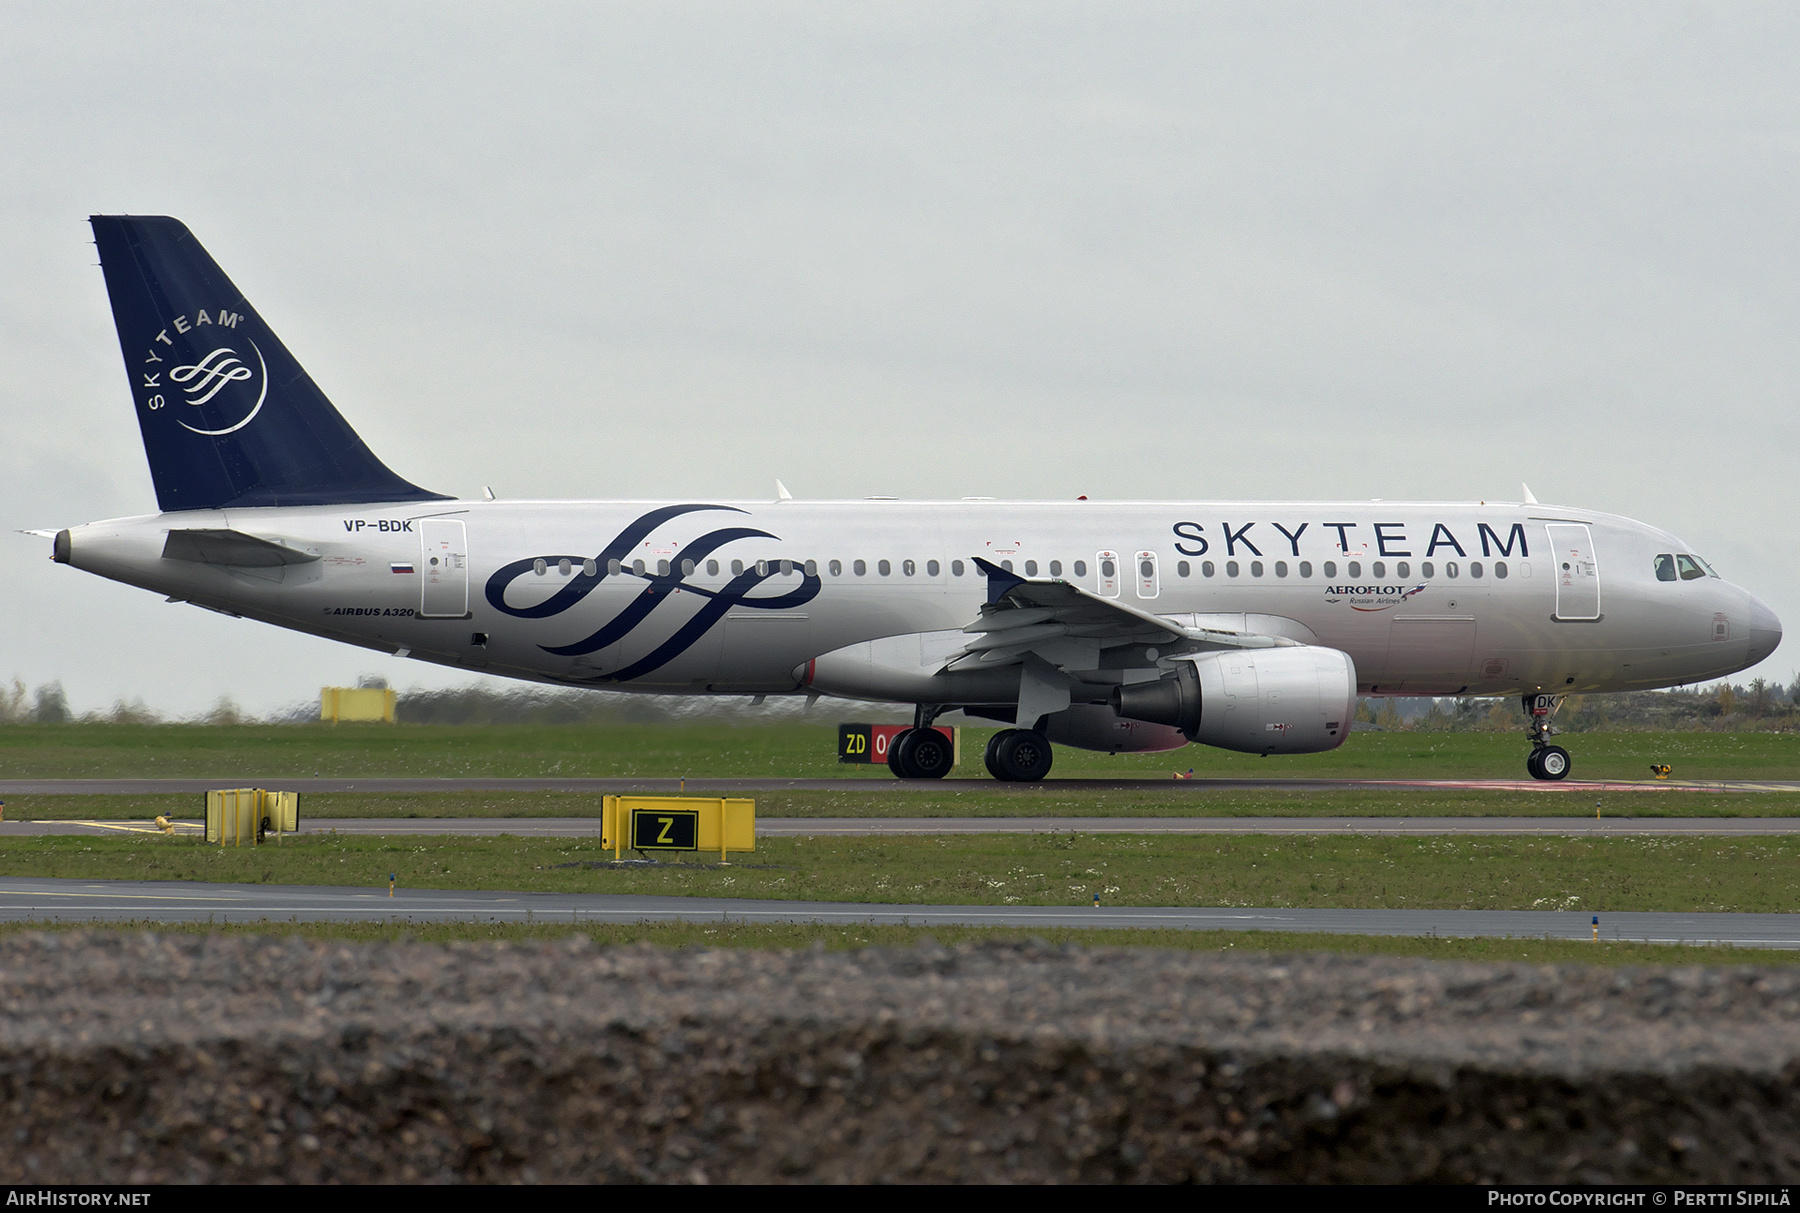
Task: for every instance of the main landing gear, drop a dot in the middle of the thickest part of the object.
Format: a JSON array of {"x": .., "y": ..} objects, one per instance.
[
  {"x": 921, "y": 752},
  {"x": 1546, "y": 761},
  {"x": 1018, "y": 756}
]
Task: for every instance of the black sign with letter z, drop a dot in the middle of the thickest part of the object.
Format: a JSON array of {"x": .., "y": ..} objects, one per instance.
[{"x": 665, "y": 830}]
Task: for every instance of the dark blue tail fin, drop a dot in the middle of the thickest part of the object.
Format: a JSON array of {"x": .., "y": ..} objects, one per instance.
[{"x": 228, "y": 417}]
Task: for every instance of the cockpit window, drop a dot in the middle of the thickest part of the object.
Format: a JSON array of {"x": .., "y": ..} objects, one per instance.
[
  {"x": 1665, "y": 567},
  {"x": 1710, "y": 571},
  {"x": 1690, "y": 568}
]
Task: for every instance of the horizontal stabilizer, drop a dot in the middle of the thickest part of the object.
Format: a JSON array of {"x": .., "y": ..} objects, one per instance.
[{"x": 235, "y": 548}]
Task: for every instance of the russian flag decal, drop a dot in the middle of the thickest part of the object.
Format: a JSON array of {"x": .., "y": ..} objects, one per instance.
[{"x": 401, "y": 568}]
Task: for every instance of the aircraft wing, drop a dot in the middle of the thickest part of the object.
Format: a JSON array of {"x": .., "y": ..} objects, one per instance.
[{"x": 1067, "y": 627}]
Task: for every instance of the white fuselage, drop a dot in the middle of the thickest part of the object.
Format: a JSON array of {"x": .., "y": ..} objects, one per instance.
[{"x": 1427, "y": 599}]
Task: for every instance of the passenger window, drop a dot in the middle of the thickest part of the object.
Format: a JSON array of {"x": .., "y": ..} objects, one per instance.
[
  {"x": 1256, "y": 568},
  {"x": 1146, "y": 569},
  {"x": 1081, "y": 568},
  {"x": 1475, "y": 568},
  {"x": 1403, "y": 570},
  {"x": 1207, "y": 568},
  {"x": 1426, "y": 571},
  {"x": 1007, "y": 565},
  {"x": 956, "y": 568},
  {"x": 1665, "y": 567},
  {"x": 884, "y": 568},
  {"x": 1056, "y": 568},
  {"x": 762, "y": 568},
  {"x": 1183, "y": 568},
  {"x": 1331, "y": 568},
  {"x": 712, "y": 568},
  {"x": 1449, "y": 568},
  {"x": 812, "y": 568},
  {"x": 1690, "y": 569},
  {"x": 1031, "y": 568},
  {"x": 1306, "y": 568},
  {"x": 1378, "y": 570},
  {"x": 908, "y": 568},
  {"x": 1354, "y": 569},
  {"x": 931, "y": 568},
  {"x": 1231, "y": 568},
  {"x": 587, "y": 568},
  {"x": 637, "y": 566},
  {"x": 613, "y": 568},
  {"x": 787, "y": 568},
  {"x": 1500, "y": 569},
  {"x": 662, "y": 568},
  {"x": 836, "y": 567},
  {"x": 860, "y": 568},
  {"x": 1108, "y": 569},
  {"x": 687, "y": 568},
  {"x": 540, "y": 566},
  {"x": 1281, "y": 568}
]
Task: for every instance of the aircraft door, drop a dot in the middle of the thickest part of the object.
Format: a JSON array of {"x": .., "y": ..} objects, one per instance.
[
  {"x": 443, "y": 569},
  {"x": 1107, "y": 574},
  {"x": 1577, "y": 571},
  {"x": 1147, "y": 581}
]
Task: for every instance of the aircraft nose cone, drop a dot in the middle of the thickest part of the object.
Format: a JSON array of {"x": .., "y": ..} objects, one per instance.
[{"x": 1765, "y": 631}]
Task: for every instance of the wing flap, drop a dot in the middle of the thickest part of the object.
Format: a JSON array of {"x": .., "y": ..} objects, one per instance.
[{"x": 1066, "y": 627}]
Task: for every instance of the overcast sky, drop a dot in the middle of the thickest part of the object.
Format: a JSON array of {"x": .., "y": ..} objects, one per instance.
[{"x": 1130, "y": 250}]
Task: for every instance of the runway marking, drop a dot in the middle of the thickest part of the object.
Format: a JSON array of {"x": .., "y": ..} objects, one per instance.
[
  {"x": 112, "y": 893},
  {"x": 142, "y": 827}
]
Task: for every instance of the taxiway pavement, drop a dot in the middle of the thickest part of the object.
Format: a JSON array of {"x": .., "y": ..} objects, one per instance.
[
  {"x": 152, "y": 902},
  {"x": 719, "y": 787},
  {"x": 790, "y": 827}
]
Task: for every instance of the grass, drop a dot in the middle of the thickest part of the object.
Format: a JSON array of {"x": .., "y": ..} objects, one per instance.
[
  {"x": 1468, "y": 872},
  {"x": 984, "y": 800},
  {"x": 237, "y": 754},
  {"x": 845, "y": 938}
]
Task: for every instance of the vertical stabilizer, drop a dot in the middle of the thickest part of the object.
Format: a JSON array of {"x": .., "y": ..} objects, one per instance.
[{"x": 228, "y": 416}]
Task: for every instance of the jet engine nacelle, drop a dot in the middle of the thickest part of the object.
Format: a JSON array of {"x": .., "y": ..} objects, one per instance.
[{"x": 1297, "y": 700}]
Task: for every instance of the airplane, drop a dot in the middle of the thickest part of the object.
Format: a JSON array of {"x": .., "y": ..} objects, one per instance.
[{"x": 1130, "y": 626}]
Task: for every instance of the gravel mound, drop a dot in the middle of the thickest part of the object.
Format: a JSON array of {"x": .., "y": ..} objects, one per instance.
[{"x": 141, "y": 1058}]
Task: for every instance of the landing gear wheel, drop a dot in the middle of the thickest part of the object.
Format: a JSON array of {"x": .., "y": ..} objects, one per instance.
[
  {"x": 1553, "y": 762},
  {"x": 991, "y": 756},
  {"x": 899, "y": 754},
  {"x": 929, "y": 754},
  {"x": 1022, "y": 756},
  {"x": 1531, "y": 765}
]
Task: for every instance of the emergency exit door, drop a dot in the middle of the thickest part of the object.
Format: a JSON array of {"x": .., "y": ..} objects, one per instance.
[
  {"x": 1576, "y": 569},
  {"x": 443, "y": 569}
]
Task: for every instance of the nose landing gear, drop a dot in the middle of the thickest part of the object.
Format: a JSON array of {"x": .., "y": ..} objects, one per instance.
[{"x": 1546, "y": 761}]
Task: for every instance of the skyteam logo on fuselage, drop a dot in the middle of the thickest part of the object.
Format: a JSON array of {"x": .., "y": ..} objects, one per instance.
[
  {"x": 1371, "y": 597},
  {"x": 659, "y": 589},
  {"x": 225, "y": 378}
]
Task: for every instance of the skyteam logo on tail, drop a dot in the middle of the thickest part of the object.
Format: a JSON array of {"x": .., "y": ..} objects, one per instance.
[
  {"x": 217, "y": 373},
  {"x": 228, "y": 383}
]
